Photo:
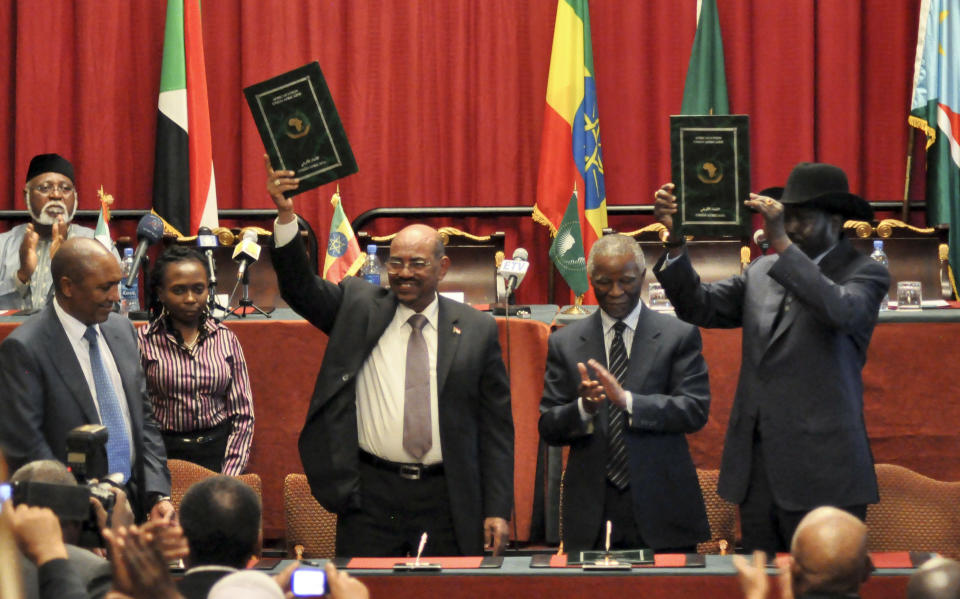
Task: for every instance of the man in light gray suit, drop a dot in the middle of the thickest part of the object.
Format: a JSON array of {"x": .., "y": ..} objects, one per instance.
[{"x": 77, "y": 363}]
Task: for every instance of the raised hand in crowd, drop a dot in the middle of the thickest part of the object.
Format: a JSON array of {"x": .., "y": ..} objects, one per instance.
[
  {"x": 36, "y": 531},
  {"x": 753, "y": 576},
  {"x": 139, "y": 567},
  {"x": 344, "y": 586}
]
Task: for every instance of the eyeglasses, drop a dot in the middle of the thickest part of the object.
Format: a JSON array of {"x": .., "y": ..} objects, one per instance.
[
  {"x": 47, "y": 187},
  {"x": 395, "y": 265}
]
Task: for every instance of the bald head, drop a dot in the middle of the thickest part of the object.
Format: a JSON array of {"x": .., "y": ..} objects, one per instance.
[
  {"x": 938, "y": 578},
  {"x": 829, "y": 552},
  {"x": 416, "y": 234},
  {"x": 75, "y": 258},
  {"x": 86, "y": 278},
  {"x": 416, "y": 266}
]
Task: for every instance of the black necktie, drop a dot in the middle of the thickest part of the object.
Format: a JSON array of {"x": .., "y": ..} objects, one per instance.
[{"x": 617, "y": 470}]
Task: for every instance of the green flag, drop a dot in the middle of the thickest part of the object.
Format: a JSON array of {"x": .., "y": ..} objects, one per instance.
[
  {"x": 566, "y": 251},
  {"x": 705, "y": 91},
  {"x": 935, "y": 109}
]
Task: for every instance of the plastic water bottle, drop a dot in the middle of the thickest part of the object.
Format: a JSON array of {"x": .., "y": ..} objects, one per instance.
[
  {"x": 880, "y": 256},
  {"x": 371, "y": 266},
  {"x": 129, "y": 296}
]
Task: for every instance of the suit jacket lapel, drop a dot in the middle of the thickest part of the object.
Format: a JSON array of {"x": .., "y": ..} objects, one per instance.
[
  {"x": 381, "y": 313},
  {"x": 771, "y": 306},
  {"x": 448, "y": 338},
  {"x": 592, "y": 346},
  {"x": 643, "y": 352},
  {"x": 65, "y": 361}
]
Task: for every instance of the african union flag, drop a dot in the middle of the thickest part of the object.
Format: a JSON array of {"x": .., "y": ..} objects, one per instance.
[
  {"x": 570, "y": 151},
  {"x": 343, "y": 252}
]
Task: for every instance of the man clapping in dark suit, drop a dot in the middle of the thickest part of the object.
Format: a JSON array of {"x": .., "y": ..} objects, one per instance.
[
  {"x": 410, "y": 428},
  {"x": 77, "y": 363},
  {"x": 626, "y": 425}
]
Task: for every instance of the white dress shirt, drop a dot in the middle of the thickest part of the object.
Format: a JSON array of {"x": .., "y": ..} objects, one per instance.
[
  {"x": 609, "y": 333},
  {"x": 380, "y": 382}
]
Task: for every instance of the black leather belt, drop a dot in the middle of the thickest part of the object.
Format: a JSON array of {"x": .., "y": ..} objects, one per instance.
[{"x": 407, "y": 471}]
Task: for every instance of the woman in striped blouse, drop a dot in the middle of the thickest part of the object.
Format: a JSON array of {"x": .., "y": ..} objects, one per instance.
[{"x": 196, "y": 375}]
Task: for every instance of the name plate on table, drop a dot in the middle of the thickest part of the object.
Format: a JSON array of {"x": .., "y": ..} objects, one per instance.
[
  {"x": 300, "y": 127},
  {"x": 710, "y": 159},
  {"x": 627, "y": 557}
]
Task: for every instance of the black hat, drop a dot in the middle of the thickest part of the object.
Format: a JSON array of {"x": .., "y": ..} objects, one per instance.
[
  {"x": 50, "y": 163},
  {"x": 823, "y": 186}
]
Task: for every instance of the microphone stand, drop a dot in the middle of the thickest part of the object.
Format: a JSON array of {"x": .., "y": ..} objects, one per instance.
[
  {"x": 144, "y": 312},
  {"x": 212, "y": 305},
  {"x": 506, "y": 323},
  {"x": 246, "y": 304}
]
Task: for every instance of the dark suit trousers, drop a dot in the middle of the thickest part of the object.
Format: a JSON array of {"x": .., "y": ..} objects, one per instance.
[
  {"x": 394, "y": 512},
  {"x": 618, "y": 509},
  {"x": 763, "y": 523}
]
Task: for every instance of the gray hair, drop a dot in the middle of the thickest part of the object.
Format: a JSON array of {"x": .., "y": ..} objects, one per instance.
[
  {"x": 44, "y": 471},
  {"x": 615, "y": 244}
]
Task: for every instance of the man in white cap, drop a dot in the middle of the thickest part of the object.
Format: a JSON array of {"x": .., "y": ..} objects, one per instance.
[{"x": 50, "y": 195}]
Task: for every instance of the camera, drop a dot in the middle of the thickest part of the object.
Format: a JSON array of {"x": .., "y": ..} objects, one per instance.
[
  {"x": 87, "y": 452},
  {"x": 87, "y": 461},
  {"x": 307, "y": 582}
]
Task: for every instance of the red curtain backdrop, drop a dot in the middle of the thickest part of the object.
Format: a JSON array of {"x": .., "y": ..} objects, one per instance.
[{"x": 443, "y": 100}]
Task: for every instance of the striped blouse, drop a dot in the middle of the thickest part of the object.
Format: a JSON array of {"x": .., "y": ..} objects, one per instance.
[{"x": 199, "y": 388}]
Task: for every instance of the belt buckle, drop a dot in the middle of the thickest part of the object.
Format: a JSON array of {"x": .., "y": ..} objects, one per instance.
[{"x": 411, "y": 471}]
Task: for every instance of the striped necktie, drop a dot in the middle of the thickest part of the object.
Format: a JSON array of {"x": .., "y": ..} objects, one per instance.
[
  {"x": 111, "y": 414},
  {"x": 617, "y": 471}
]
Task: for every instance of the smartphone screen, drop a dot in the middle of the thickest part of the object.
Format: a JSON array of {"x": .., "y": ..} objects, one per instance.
[
  {"x": 308, "y": 583},
  {"x": 6, "y": 492}
]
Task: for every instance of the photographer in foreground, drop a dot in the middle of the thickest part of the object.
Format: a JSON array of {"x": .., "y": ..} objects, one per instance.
[{"x": 45, "y": 537}]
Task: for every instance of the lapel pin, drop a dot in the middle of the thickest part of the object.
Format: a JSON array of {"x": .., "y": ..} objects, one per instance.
[{"x": 456, "y": 330}]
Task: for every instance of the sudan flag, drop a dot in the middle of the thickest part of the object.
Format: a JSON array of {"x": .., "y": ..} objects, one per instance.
[
  {"x": 570, "y": 150},
  {"x": 184, "y": 188}
]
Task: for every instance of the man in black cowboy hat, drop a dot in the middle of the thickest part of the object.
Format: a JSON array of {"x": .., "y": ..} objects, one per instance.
[
  {"x": 26, "y": 250},
  {"x": 796, "y": 438}
]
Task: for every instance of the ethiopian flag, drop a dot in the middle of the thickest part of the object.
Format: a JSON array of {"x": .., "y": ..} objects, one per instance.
[
  {"x": 935, "y": 110},
  {"x": 184, "y": 188},
  {"x": 344, "y": 258},
  {"x": 570, "y": 149}
]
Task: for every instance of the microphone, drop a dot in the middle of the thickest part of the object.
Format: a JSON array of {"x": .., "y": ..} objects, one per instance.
[
  {"x": 206, "y": 241},
  {"x": 149, "y": 231},
  {"x": 246, "y": 252},
  {"x": 513, "y": 271},
  {"x": 760, "y": 238}
]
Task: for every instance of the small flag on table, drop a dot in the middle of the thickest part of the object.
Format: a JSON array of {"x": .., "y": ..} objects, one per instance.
[
  {"x": 566, "y": 251},
  {"x": 102, "y": 232},
  {"x": 344, "y": 258}
]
